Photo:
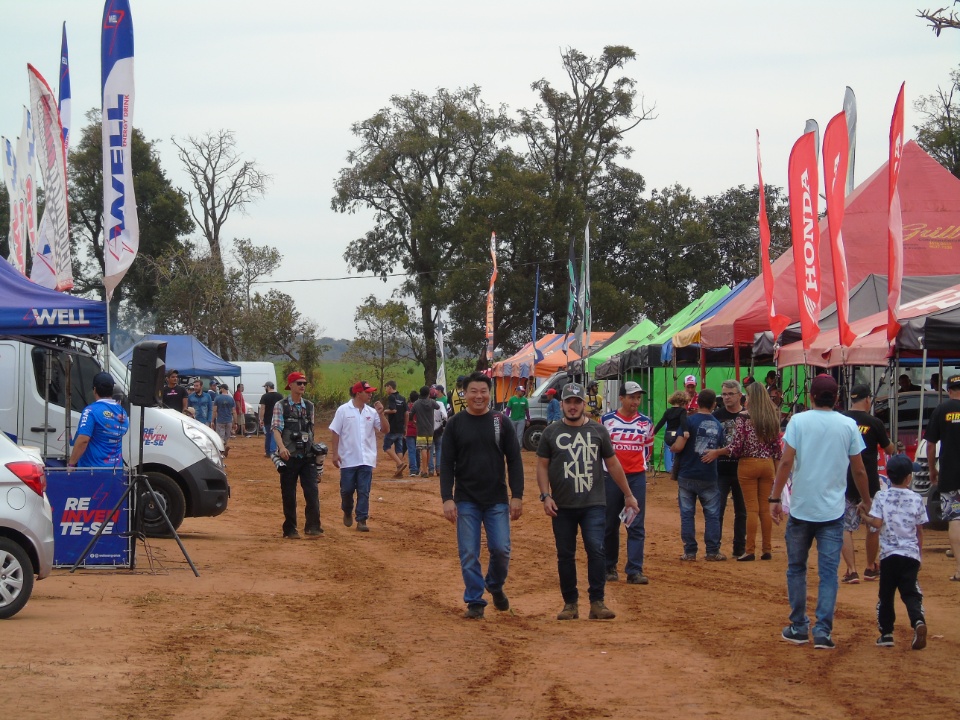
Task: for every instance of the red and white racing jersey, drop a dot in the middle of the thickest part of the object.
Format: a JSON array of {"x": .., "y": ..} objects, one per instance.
[{"x": 632, "y": 440}]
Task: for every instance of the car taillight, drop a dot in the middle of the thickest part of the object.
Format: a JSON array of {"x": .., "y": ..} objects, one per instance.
[{"x": 32, "y": 475}]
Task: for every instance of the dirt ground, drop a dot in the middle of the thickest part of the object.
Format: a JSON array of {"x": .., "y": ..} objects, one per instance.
[{"x": 369, "y": 626}]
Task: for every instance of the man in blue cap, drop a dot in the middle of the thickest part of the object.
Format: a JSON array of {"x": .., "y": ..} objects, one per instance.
[{"x": 103, "y": 424}]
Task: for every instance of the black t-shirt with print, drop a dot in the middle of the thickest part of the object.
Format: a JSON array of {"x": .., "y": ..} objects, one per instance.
[
  {"x": 944, "y": 426},
  {"x": 874, "y": 435}
]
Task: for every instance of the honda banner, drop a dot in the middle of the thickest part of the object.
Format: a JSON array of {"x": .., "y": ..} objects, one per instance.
[
  {"x": 836, "y": 156},
  {"x": 894, "y": 221},
  {"x": 803, "y": 184}
]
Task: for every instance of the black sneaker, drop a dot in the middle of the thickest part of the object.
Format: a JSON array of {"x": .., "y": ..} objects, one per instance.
[
  {"x": 919, "y": 636},
  {"x": 637, "y": 579},
  {"x": 612, "y": 575},
  {"x": 500, "y": 600},
  {"x": 292, "y": 535},
  {"x": 824, "y": 642},
  {"x": 314, "y": 532},
  {"x": 871, "y": 574},
  {"x": 885, "y": 641},
  {"x": 474, "y": 611},
  {"x": 794, "y": 636},
  {"x": 348, "y": 518}
]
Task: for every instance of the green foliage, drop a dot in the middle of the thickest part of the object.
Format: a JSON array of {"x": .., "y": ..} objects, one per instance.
[
  {"x": 939, "y": 133},
  {"x": 384, "y": 335}
]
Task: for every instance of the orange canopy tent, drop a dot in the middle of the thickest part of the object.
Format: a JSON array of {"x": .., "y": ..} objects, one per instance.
[{"x": 558, "y": 359}]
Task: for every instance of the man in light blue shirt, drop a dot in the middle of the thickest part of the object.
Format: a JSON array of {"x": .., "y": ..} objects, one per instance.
[
  {"x": 818, "y": 446},
  {"x": 201, "y": 403}
]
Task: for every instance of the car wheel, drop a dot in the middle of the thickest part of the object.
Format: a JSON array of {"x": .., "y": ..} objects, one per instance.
[
  {"x": 531, "y": 437},
  {"x": 171, "y": 501},
  {"x": 16, "y": 578}
]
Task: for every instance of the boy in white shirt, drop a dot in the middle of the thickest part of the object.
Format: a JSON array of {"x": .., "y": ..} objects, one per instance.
[{"x": 900, "y": 515}]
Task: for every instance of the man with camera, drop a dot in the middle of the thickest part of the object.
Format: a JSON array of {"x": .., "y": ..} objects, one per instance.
[
  {"x": 354, "y": 434},
  {"x": 292, "y": 429}
]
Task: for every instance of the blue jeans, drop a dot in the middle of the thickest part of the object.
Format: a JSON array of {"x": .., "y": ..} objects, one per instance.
[
  {"x": 636, "y": 534},
  {"x": 688, "y": 492},
  {"x": 591, "y": 522},
  {"x": 800, "y": 536},
  {"x": 496, "y": 521},
  {"x": 356, "y": 480},
  {"x": 435, "y": 454},
  {"x": 413, "y": 455},
  {"x": 269, "y": 442}
]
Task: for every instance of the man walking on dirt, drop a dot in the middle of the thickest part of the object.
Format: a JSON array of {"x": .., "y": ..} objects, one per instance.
[
  {"x": 269, "y": 398},
  {"x": 818, "y": 445},
  {"x": 731, "y": 406},
  {"x": 354, "y": 434},
  {"x": 570, "y": 477},
  {"x": 292, "y": 429},
  {"x": 473, "y": 488},
  {"x": 395, "y": 442},
  {"x": 519, "y": 408},
  {"x": 944, "y": 427}
]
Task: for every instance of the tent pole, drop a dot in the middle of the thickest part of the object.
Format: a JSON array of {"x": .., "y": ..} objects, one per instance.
[
  {"x": 736, "y": 360},
  {"x": 920, "y": 414},
  {"x": 703, "y": 367},
  {"x": 894, "y": 392}
]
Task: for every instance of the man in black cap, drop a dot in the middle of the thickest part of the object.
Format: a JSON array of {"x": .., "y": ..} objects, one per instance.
[
  {"x": 874, "y": 436},
  {"x": 102, "y": 426},
  {"x": 817, "y": 447},
  {"x": 174, "y": 395},
  {"x": 944, "y": 428}
]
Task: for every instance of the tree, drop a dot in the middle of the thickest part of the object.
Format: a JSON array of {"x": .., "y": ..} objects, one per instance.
[
  {"x": 222, "y": 181},
  {"x": 732, "y": 219},
  {"x": 417, "y": 162},
  {"x": 940, "y": 19},
  {"x": 253, "y": 263},
  {"x": 382, "y": 342},
  {"x": 161, "y": 210},
  {"x": 939, "y": 133}
]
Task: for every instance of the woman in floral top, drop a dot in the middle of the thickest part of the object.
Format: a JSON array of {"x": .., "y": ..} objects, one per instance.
[{"x": 756, "y": 443}]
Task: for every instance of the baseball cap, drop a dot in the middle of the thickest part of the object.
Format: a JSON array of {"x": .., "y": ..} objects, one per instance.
[
  {"x": 572, "y": 390},
  {"x": 860, "y": 391},
  {"x": 103, "y": 380},
  {"x": 551, "y": 391},
  {"x": 823, "y": 385},
  {"x": 690, "y": 380},
  {"x": 953, "y": 382},
  {"x": 630, "y": 387},
  {"x": 293, "y": 377},
  {"x": 269, "y": 384},
  {"x": 899, "y": 466},
  {"x": 363, "y": 386},
  {"x": 521, "y": 388},
  {"x": 172, "y": 372}
]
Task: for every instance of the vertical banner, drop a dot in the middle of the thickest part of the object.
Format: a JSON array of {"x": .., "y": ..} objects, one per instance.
[
  {"x": 835, "y": 157},
  {"x": 442, "y": 370},
  {"x": 54, "y": 252},
  {"x": 64, "y": 95},
  {"x": 850, "y": 111},
  {"x": 121, "y": 228},
  {"x": 894, "y": 221},
  {"x": 12, "y": 182},
  {"x": 778, "y": 323},
  {"x": 493, "y": 280},
  {"x": 803, "y": 184},
  {"x": 23, "y": 200},
  {"x": 586, "y": 319},
  {"x": 537, "y": 354},
  {"x": 573, "y": 309}
]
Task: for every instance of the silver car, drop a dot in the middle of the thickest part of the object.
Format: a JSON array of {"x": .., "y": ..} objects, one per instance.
[{"x": 26, "y": 526}]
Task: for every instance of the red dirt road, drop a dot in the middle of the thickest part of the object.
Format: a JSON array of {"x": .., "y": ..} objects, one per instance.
[{"x": 368, "y": 626}]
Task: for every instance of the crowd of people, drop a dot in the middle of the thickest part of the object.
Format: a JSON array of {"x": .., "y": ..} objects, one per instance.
[{"x": 819, "y": 473}]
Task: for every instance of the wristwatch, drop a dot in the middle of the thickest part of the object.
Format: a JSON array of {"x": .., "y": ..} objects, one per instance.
[{"x": 544, "y": 496}]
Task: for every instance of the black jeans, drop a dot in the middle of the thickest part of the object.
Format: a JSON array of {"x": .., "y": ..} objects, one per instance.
[
  {"x": 591, "y": 523},
  {"x": 306, "y": 472},
  {"x": 898, "y": 573},
  {"x": 730, "y": 485}
]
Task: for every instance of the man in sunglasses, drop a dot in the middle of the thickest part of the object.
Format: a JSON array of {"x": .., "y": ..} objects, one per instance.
[{"x": 292, "y": 429}]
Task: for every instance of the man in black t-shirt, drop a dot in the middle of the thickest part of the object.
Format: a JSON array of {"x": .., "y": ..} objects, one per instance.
[
  {"x": 473, "y": 487},
  {"x": 727, "y": 481},
  {"x": 944, "y": 427},
  {"x": 874, "y": 437},
  {"x": 174, "y": 395},
  {"x": 269, "y": 398},
  {"x": 395, "y": 440}
]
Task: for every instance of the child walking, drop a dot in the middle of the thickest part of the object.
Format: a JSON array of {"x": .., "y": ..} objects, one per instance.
[{"x": 900, "y": 515}]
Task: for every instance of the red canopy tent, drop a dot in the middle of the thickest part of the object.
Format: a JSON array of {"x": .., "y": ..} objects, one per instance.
[{"x": 930, "y": 201}]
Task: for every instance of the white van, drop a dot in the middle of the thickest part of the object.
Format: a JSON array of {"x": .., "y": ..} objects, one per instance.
[
  {"x": 183, "y": 458},
  {"x": 252, "y": 375}
]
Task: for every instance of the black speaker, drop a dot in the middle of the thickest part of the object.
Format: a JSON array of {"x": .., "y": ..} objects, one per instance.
[{"x": 147, "y": 369}]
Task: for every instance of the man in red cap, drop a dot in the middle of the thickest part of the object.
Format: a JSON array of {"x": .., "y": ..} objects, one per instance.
[
  {"x": 292, "y": 429},
  {"x": 354, "y": 434}
]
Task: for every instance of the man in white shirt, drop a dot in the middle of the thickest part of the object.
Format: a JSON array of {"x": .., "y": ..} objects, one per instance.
[{"x": 354, "y": 440}]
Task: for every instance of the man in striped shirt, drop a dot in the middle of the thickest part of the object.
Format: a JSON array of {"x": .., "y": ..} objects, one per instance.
[{"x": 632, "y": 436}]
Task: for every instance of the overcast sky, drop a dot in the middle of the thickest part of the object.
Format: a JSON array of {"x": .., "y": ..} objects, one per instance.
[{"x": 290, "y": 77}]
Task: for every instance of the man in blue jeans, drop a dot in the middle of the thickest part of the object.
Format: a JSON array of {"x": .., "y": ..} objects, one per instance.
[
  {"x": 570, "y": 476},
  {"x": 697, "y": 479},
  {"x": 818, "y": 445},
  {"x": 473, "y": 488}
]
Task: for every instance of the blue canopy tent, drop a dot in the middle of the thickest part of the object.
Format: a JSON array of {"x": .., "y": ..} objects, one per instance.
[
  {"x": 28, "y": 309},
  {"x": 189, "y": 356}
]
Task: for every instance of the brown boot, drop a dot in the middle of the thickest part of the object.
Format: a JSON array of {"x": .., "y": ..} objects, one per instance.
[
  {"x": 599, "y": 611},
  {"x": 571, "y": 611}
]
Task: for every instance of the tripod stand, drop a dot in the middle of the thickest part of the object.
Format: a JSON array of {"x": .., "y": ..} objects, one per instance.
[{"x": 137, "y": 496}]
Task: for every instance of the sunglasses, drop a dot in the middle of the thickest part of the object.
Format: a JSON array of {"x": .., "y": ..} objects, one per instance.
[{"x": 300, "y": 382}]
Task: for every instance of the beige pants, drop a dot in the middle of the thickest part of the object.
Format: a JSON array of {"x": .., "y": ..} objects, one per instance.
[{"x": 756, "y": 482}]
